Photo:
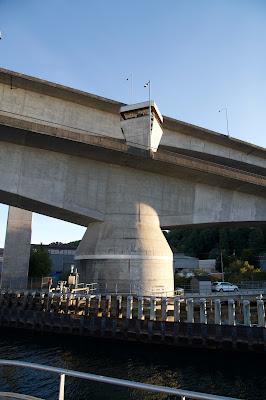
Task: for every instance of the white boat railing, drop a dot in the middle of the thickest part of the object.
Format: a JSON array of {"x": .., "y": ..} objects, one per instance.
[{"x": 182, "y": 394}]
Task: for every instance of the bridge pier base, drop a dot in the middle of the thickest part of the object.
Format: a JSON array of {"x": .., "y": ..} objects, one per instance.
[
  {"x": 17, "y": 249},
  {"x": 127, "y": 254}
]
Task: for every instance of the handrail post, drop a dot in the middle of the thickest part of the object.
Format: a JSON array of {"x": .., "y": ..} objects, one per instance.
[{"x": 62, "y": 387}]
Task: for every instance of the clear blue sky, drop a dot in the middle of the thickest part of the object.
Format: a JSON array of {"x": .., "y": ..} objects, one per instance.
[{"x": 200, "y": 55}]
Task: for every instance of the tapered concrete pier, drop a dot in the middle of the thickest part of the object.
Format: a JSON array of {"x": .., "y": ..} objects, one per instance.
[{"x": 127, "y": 253}]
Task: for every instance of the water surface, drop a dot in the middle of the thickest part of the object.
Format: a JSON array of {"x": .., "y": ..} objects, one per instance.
[{"x": 233, "y": 374}]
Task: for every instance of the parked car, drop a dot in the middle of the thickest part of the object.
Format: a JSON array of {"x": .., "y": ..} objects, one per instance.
[{"x": 224, "y": 287}]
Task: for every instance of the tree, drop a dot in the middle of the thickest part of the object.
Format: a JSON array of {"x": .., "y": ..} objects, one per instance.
[
  {"x": 256, "y": 240},
  {"x": 40, "y": 263}
]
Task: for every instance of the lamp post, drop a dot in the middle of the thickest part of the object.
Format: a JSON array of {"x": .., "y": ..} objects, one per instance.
[
  {"x": 226, "y": 116},
  {"x": 148, "y": 84},
  {"x": 130, "y": 78}
]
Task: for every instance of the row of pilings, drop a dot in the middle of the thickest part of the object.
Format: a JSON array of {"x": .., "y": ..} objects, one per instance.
[
  {"x": 175, "y": 309},
  {"x": 206, "y": 322}
]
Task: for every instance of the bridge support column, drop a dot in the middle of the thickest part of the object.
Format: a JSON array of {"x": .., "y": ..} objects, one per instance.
[
  {"x": 17, "y": 249},
  {"x": 127, "y": 253}
]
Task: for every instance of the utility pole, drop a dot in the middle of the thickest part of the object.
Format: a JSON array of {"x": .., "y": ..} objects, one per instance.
[{"x": 222, "y": 265}]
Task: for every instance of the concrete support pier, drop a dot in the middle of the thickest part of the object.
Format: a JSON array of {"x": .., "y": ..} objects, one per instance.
[
  {"x": 128, "y": 254},
  {"x": 17, "y": 249}
]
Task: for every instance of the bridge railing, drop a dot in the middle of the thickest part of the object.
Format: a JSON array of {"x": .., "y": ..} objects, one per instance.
[{"x": 63, "y": 373}]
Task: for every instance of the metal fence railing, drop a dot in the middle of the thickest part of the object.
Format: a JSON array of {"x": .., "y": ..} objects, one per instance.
[{"x": 63, "y": 373}]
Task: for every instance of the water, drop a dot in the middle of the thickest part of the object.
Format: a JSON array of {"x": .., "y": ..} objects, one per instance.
[{"x": 231, "y": 374}]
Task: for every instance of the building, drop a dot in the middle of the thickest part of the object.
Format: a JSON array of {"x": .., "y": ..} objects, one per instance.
[
  {"x": 187, "y": 265},
  {"x": 61, "y": 256},
  {"x": 61, "y": 259},
  {"x": 201, "y": 284}
]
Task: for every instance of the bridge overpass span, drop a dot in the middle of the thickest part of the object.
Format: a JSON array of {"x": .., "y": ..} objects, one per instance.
[{"x": 97, "y": 163}]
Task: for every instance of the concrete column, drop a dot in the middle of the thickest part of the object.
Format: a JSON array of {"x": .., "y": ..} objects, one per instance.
[
  {"x": 203, "y": 311},
  {"x": 87, "y": 305},
  {"x": 140, "y": 308},
  {"x": 246, "y": 312},
  {"x": 98, "y": 302},
  {"x": 164, "y": 303},
  {"x": 129, "y": 307},
  {"x": 127, "y": 250},
  {"x": 261, "y": 313},
  {"x": 217, "y": 312},
  {"x": 190, "y": 310},
  {"x": 177, "y": 310},
  {"x": 153, "y": 309},
  {"x": 119, "y": 306},
  {"x": 108, "y": 304},
  {"x": 231, "y": 312},
  {"x": 17, "y": 249}
]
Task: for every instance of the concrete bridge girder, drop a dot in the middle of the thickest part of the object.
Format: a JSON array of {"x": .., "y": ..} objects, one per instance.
[
  {"x": 122, "y": 207},
  {"x": 82, "y": 191}
]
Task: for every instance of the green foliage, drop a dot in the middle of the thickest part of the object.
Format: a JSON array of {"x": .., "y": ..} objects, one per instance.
[
  {"x": 243, "y": 243},
  {"x": 243, "y": 271},
  {"x": 256, "y": 240},
  {"x": 64, "y": 275},
  {"x": 239, "y": 247},
  {"x": 40, "y": 263}
]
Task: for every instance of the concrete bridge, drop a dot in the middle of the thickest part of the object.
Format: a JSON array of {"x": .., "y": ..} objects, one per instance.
[{"x": 124, "y": 172}]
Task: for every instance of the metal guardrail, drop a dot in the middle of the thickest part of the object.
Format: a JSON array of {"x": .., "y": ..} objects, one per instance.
[{"x": 182, "y": 394}]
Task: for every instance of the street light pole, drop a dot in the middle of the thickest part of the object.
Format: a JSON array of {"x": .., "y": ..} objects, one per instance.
[
  {"x": 226, "y": 115},
  {"x": 222, "y": 265},
  {"x": 130, "y": 78},
  {"x": 149, "y": 85}
]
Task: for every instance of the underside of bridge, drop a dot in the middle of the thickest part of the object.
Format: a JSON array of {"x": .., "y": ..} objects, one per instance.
[{"x": 122, "y": 184}]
